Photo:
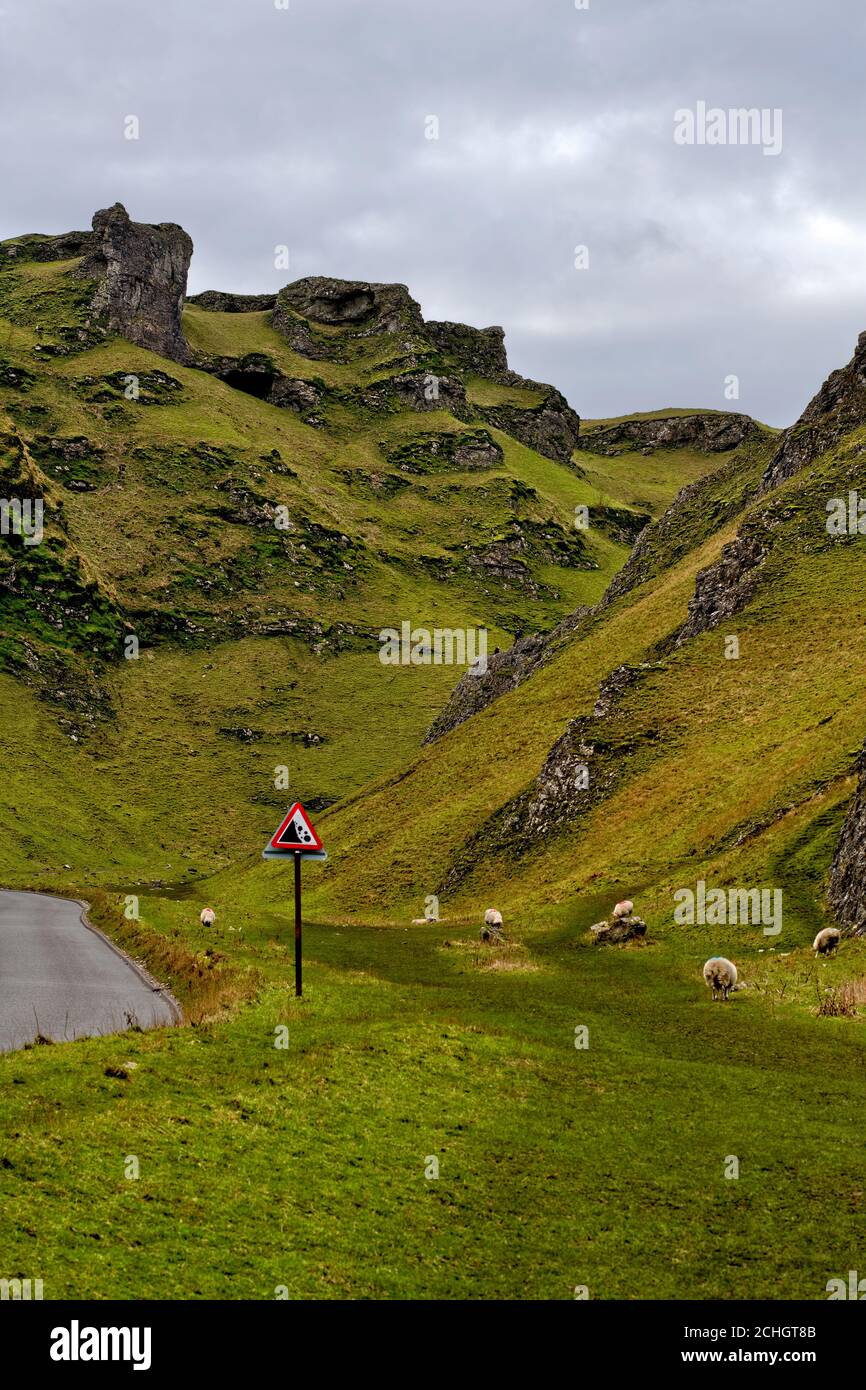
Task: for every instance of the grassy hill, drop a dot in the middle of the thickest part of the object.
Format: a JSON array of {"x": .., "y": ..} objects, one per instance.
[
  {"x": 258, "y": 646},
  {"x": 309, "y": 1168}
]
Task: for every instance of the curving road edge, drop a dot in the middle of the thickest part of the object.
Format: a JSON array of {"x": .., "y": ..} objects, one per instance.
[{"x": 62, "y": 978}]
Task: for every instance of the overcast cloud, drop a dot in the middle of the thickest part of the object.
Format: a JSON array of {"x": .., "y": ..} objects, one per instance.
[{"x": 306, "y": 127}]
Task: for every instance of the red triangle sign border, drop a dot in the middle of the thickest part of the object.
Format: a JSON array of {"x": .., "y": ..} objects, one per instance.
[{"x": 276, "y": 842}]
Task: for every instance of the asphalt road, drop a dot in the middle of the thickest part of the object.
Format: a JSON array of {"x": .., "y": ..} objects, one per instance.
[{"x": 60, "y": 979}]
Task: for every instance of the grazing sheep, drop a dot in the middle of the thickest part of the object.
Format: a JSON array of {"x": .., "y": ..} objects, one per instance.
[
  {"x": 826, "y": 941},
  {"x": 721, "y": 976},
  {"x": 208, "y": 917},
  {"x": 624, "y": 909},
  {"x": 492, "y": 928}
]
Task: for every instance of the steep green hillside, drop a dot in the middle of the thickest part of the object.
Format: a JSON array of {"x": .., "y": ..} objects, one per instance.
[
  {"x": 708, "y": 747},
  {"x": 257, "y": 628}
]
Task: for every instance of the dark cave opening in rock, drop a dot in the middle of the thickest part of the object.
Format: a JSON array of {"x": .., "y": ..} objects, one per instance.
[
  {"x": 351, "y": 307},
  {"x": 254, "y": 382}
]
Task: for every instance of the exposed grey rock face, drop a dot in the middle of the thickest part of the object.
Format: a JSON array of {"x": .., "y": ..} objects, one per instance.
[
  {"x": 480, "y": 351},
  {"x": 140, "y": 273},
  {"x": 445, "y": 452},
  {"x": 257, "y": 375},
  {"x": 698, "y": 509},
  {"x": 511, "y": 668},
  {"x": 568, "y": 784},
  {"x": 551, "y": 428},
  {"x": 222, "y": 302},
  {"x": 361, "y": 308},
  {"x": 356, "y": 305},
  {"x": 620, "y": 523},
  {"x": 291, "y": 393},
  {"x": 426, "y": 391},
  {"x": 617, "y": 929},
  {"x": 65, "y": 247},
  {"x": 502, "y": 561},
  {"x": 668, "y": 537},
  {"x": 847, "y": 888},
  {"x": 505, "y": 671},
  {"x": 583, "y": 765},
  {"x": 581, "y": 770},
  {"x": 479, "y": 451},
  {"x": 725, "y": 587},
  {"x": 301, "y": 338},
  {"x": 839, "y": 406},
  {"x": 708, "y": 431},
  {"x": 558, "y": 798}
]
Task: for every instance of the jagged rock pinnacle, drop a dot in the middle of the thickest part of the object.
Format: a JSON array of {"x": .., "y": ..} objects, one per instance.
[{"x": 140, "y": 273}]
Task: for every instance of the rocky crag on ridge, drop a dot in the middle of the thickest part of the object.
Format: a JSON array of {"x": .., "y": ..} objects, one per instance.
[
  {"x": 126, "y": 280},
  {"x": 709, "y": 431},
  {"x": 140, "y": 273},
  {"x": 838, "y": 407},
  {"x": 435, "y": 355}
]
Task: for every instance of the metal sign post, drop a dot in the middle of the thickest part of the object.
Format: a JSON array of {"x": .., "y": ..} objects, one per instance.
[{"x": 298, "y": 925}]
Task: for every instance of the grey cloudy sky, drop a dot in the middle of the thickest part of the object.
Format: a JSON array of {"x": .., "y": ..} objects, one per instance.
[{"x": 305, "y": 126}]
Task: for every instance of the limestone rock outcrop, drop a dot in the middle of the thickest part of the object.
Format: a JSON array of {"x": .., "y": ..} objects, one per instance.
[
  {"x": 445, "y": 451},
  {"x": 839, "y": 406},
  {"x": 725, "y": 587},
  {"x": 710, "y": 432},
  {"x": 505, "y": 671},
  {"x": 620, "y": 680},
  {"x": 479, "y": 351},
  {"x": 847, "y": 887},
  {"x": 694, "y": 513},
  {"x": 359, "y": 306},
  {"x": 473, "y": 692},
  {"x": 552, "y": 428},
  {"x": 616, "y": 929},
  {"x": 66, "y": 247},
  {"x": 426, "y": 391},
  {"x": 140, "y": 274}
]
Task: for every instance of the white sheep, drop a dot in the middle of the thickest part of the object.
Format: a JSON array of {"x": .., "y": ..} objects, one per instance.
[
  {"x": 826, "y": 941},
  {"x": 721, "y": 976},
  {"x": 208, "y": 917},
  {"x": 624, "y": 909},
  {"x": 492, "y": 925}
]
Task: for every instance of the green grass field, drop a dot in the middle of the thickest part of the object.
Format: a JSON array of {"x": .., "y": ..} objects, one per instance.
[{"x": 263, "y": 1167}]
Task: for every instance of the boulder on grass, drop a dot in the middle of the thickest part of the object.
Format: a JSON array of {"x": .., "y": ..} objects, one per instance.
[{"x": 616, "y": 929}]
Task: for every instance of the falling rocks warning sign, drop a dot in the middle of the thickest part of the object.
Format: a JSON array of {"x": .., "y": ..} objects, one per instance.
[{"x": 296, "y": 832}]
